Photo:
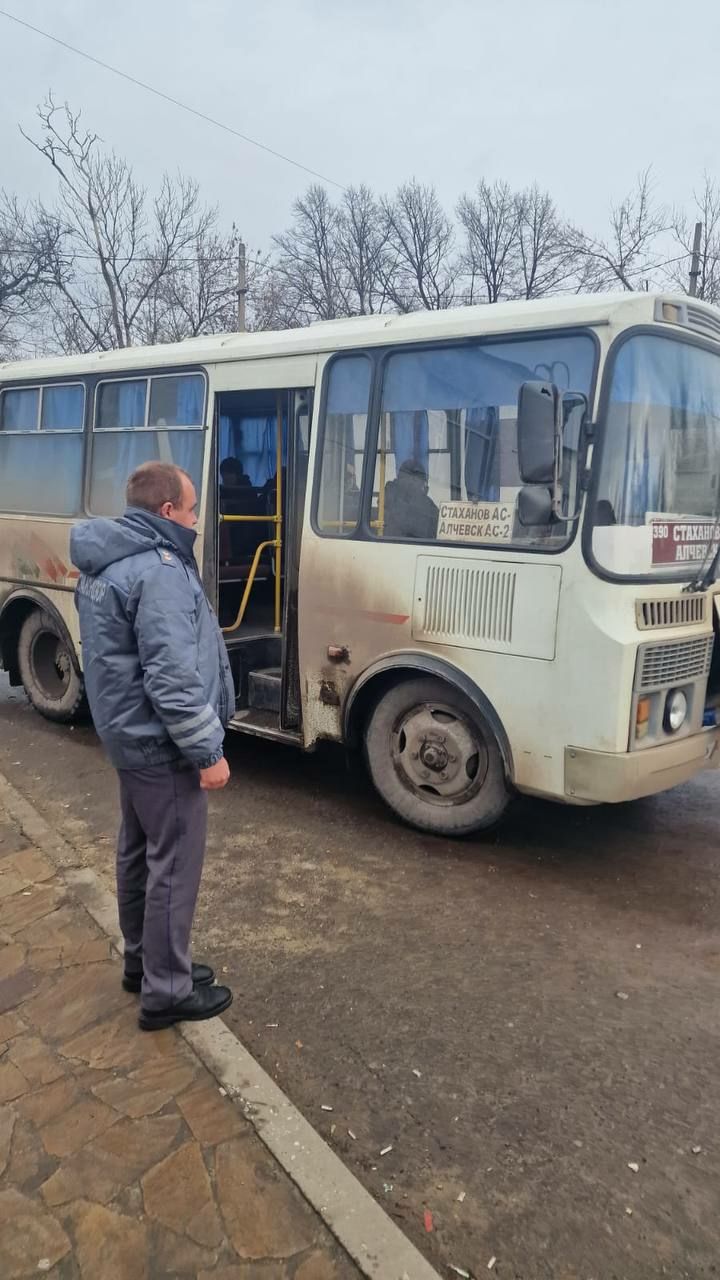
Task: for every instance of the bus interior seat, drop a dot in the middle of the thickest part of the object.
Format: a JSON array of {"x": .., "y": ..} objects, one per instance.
[{"x": 239, "y": 541}]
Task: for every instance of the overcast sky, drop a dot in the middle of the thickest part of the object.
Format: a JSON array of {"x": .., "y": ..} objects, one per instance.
[{"x": 578, "y": 94}]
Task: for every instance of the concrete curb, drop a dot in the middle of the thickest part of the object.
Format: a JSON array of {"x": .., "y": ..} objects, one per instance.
[{"x": 359, "y": 1224}]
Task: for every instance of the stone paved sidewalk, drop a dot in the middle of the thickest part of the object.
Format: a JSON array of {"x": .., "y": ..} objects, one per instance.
[{"x": 119, "y": 1157}]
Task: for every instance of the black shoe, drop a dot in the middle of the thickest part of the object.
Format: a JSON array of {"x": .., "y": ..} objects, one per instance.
[
  {"x": 205, "y": 1002},
  {"x": 202, "y": 976}
]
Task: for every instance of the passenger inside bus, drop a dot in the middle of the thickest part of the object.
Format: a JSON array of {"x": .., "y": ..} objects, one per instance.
[
  {"x": 409, "y": 510},
  {"x": 233, "y": 475}
]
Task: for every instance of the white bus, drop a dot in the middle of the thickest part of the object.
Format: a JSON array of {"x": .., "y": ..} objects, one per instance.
[{"x": 481, "y": 544}]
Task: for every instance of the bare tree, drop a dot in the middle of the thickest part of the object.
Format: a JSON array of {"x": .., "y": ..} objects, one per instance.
[
  {"x": 28, "y": 246},
  {"x": 268, "y": 303},
  {"x": 706, "y": 212},
  {"x": 515, "y": 244},
  {"x": 548, "y": 262},
  {"x": 419, "y": 269},
  {"x": 309, "y": 262},
  {"x": 115, "y": 246},
  {"x": 363, "y": 252},
  {"x": 627, "y": 257},
  {"x": 199, "y": 293},
  {"x": 491, "y": 258}
]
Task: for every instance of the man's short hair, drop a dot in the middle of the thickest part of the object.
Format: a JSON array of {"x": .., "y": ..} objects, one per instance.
[{"x": 153, "y": 484}]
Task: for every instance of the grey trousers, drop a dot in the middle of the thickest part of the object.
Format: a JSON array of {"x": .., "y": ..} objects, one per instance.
[{"x": 161, "y": 848}]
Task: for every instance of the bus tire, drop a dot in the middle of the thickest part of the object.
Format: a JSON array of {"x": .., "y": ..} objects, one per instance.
[
  {"x": 47, "y": 669},
  {"x": 434, "y": 759}
]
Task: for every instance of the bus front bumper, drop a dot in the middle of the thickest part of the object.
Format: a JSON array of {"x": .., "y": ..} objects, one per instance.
[{"x": 603, "y": 777}]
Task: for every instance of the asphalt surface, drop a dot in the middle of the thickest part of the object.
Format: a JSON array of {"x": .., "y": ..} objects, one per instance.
[{"x": 530, "y": 1021}]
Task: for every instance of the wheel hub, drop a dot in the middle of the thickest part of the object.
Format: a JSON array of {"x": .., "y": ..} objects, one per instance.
[
  {"x": 434, "y": 755},
  {"x": 439, "y": 754}
]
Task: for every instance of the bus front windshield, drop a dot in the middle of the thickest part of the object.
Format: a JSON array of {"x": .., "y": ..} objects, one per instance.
[{"x": 658, "y": 492}]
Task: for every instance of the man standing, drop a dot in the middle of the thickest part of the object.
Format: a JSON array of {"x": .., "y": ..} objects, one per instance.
[{"x": 160, "y": 691}]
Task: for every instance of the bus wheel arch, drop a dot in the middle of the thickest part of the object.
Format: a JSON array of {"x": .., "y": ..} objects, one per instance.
[
  {"x": 39, "y": 654},
  {"x": 435, "y": 747}
]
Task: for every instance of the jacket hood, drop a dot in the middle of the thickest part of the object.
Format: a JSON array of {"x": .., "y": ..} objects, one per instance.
[{"x": 97, "y": 543}]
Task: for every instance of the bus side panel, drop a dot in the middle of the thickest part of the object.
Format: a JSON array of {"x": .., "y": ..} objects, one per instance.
[
  {"x": 35, "y": 556},
  {"x": 357, "y": 605}
]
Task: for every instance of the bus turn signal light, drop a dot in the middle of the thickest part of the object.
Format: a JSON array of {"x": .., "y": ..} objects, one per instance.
[{"x": 642, "y": 718}]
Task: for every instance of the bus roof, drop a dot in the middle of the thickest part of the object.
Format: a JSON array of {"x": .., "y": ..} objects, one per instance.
[{"x": 360, "y": 331}]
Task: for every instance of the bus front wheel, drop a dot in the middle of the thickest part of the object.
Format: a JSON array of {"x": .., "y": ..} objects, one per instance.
[
  {"x": 434, "y": 759},
  {"x": 47, "y": 669}
]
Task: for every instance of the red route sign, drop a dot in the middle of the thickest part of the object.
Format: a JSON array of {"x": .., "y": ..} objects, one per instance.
[{"x": 683, "y": 541}]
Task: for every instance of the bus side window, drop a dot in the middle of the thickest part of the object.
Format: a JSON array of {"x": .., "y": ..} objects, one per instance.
[
  {"x": 446, "y": 465},
  {"x": 342, "y": 446},
  {"x": 41, "y": 449},
  {"x": 135, "y": 423}
]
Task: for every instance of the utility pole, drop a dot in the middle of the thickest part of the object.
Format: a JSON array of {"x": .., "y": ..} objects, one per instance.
[
  {"x": 695, "y": 264},
  {"x": 241, "y": 287}
]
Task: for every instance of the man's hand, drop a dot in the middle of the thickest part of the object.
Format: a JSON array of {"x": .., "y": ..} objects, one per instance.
[{"x": 216, "y": 776}]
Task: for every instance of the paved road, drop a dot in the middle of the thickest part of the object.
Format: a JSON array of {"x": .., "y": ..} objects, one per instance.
[{"x": 459, "y": 1001}]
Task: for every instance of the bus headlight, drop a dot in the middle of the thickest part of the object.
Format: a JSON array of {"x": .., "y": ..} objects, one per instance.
[{"x": 676, "y": 708}]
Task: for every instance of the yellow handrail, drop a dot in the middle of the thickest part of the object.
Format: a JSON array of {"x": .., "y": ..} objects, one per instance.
[
  {"x": 259, "y": 519},
  {"x": 272, "y": 542},
  {"x": 275, "y": 542}
]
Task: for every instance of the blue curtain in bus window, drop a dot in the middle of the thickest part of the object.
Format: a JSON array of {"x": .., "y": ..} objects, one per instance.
[
  {"x": 224, "y": 446},
  {"x": 652, "y": 378},
  {"x": 190, "y": 397},
  {"x": 177, "y": 401},
  {"x": 482, "y": 456},
  {"x": 117, "y": 454},
  {"x": 644, "y": 486},
  {"x": 451, "y": 378},
  {"x": 121, "y": 405},
  {"x": 254, "y": 442},
  {"x": 131, "y": 404},
  {"x": 474, "y": 377},
  {"x": 62, "y": 408},
  {"x": 409, "y": 438},
  {"x": 19, "y": 410},
  {"x": 349, "y": 386},
  {"x": 41, "y": 474}
]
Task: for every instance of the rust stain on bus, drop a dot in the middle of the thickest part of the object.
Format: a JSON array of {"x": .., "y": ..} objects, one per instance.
[
  {"x": 328, "y": 694},
  {"x": 372, "y": 615}
]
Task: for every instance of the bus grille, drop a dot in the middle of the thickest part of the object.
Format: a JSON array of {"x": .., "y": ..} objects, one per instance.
[
  {"x": 680, "y": 611},
  {"x": 660, "y": 665},
  {"x": 469, "y": 602}
]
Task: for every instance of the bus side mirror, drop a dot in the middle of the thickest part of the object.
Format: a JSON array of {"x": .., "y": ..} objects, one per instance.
[
  {"x": 538, "y": 428},
  {"x": 534, "y": 505}
]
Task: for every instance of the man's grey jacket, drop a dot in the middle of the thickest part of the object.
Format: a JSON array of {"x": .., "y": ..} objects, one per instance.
[{"x": 156, "y": 669}]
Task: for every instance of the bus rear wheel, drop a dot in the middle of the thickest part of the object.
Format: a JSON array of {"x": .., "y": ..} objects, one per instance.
[
  {"x": 47, "y": 669},
  {"x": 434, "y": 759}
]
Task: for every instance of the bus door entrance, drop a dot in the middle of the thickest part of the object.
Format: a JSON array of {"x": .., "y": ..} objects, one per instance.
[{"x": 262, "y": 446}]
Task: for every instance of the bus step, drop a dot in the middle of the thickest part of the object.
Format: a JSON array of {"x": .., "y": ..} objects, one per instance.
[{"x": 264, "y": 689}]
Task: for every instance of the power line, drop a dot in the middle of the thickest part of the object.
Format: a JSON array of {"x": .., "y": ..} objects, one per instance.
[
  {"x": 68, "y": 256},
  {"x": 141, "y": 84}
]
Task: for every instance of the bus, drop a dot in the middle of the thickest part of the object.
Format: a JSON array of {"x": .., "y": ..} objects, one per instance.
[{"x": 478, "y": 544}]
